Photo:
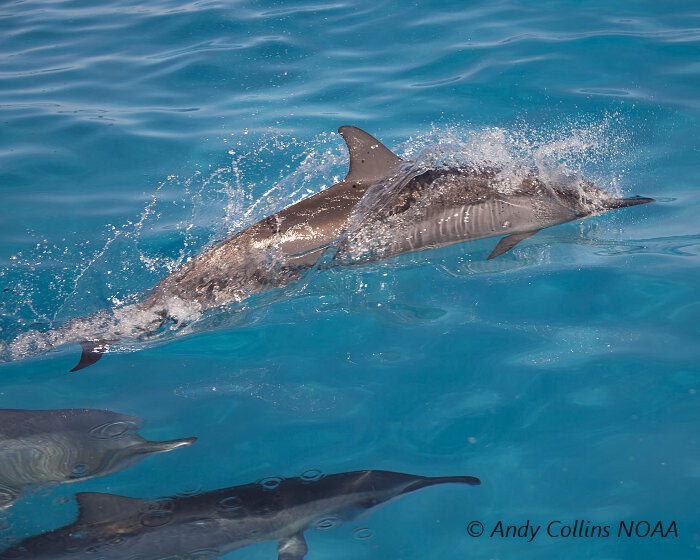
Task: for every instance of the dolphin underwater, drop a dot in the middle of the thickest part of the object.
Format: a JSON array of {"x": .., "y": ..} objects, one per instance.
[
  {"x": 211, "y": 524},
  {"x": 385, "y": 206},
  {"x": 50, "y": 446}
]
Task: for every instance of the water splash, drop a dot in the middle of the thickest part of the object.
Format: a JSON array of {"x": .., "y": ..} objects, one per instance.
[{"x": 47, "y": 285}]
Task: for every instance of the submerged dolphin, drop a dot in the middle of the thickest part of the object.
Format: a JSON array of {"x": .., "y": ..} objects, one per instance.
[
  {"x": 214, "y": 523},
  {"x": 49, "y": 446},
  {"x": 385, "y": 206}
]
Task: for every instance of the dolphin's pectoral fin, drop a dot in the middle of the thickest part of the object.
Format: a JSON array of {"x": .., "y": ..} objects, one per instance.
[
  {"x": 369, "y": 158},
  {"x": 510, "y": 241},
  {"x": 293, "y": 548},
  {"x": 92, "y": 351}
]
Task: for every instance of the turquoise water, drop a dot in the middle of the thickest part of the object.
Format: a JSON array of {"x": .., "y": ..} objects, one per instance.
[{"x": 564, "y": 374}]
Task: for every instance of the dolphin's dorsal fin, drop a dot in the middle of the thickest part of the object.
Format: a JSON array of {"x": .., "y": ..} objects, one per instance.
[
  {"x": 96, "y": 507},
  {"x": 510, "y": 241},
  {"x": 292, "y": 548},
  {"x": 369, "y": 158}
]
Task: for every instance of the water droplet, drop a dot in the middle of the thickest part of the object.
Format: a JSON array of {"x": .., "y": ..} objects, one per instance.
[
  {"x": 157, "y": 513},
  {"x": 506, "y": 224},
  {"x": 363, "y": 533},
  {"x": 312, "y": 475},
  {"x": 271, "y": 482},
  {"x": 231, "y": 503},
  {"x": 113, "y": 430},
  {"x": 326, "y": 524},
  {"x": 155, "y": 519}
]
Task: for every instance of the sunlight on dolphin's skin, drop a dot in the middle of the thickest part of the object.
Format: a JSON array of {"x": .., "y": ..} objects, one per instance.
[
  {"x": 54, "y": 446},
  {"x": 384, "y": 207},
  {"x": 222, "y": 520}
]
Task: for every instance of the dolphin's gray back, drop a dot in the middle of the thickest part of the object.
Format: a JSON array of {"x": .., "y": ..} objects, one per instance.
[
  {"x": 269, "y": 254},
  {"x": 16, "y": 423}
]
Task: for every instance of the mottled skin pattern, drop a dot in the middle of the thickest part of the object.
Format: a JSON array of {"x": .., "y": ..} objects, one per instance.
[{"x": 114, "y": 527}]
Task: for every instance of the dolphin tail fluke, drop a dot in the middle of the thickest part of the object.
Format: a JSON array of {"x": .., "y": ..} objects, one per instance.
[
  {"x": 625, "y": 202},
  {"x": 92, "y": 351},
  {"x": 433, "y": 480}
]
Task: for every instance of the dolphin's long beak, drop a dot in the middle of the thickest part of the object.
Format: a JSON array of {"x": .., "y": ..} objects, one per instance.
[
  {"x": 432, "y": 481},
  {"x": 163, "y": 446},
  {"x": 134, "y": 453},
  {"x": 625, "y": 202}
]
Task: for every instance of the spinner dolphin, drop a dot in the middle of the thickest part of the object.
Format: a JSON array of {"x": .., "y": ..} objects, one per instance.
[
  {"x": 211, "y": 524},
  {"x": 385, "y": 206}
]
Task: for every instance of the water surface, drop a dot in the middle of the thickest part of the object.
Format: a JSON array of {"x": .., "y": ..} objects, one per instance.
[{"x": 564, "y": 374}]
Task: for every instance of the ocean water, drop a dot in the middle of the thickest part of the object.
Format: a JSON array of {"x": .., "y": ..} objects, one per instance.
[{"x": 564, "y": 373}]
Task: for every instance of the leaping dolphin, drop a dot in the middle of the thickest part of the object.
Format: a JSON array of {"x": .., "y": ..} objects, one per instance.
[
  {"x": 69, "y": 445},
  {"x": 214, "y": 523},
  {"x": 385, "y": 206}
]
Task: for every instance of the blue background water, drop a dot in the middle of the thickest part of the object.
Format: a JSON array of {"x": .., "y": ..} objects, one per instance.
[{"x": 564, "y": 374}]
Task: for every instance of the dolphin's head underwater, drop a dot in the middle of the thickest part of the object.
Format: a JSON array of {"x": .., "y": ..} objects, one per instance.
[{"x": 68, "y": 445}]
